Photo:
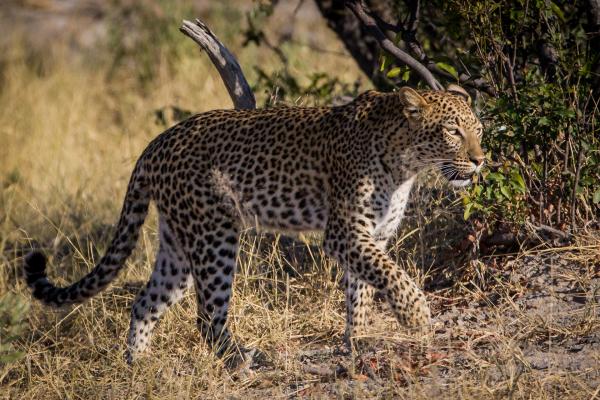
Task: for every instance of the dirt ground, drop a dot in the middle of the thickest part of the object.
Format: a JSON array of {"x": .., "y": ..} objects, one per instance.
[{"x": 534, "y": 332}]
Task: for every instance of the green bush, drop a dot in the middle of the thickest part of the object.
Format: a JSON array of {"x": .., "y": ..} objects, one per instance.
[
  {"x": 542, "y": 60},
  {"x": 542, "y": 130}
]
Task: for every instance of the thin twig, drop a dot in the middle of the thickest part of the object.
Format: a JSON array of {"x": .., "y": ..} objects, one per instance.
[
  {"x": 575, "y": 183},
  {"x": 410, "y": 33},
  {"x": 325, "y": 371},
  {"x": 551, "y": 230}
]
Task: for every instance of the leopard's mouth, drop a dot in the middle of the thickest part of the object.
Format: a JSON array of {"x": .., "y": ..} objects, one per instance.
[{"x": 454, "y": 177}]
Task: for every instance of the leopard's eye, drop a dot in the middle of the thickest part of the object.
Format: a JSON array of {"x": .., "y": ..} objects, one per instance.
[{"x": 454, "y": 132}]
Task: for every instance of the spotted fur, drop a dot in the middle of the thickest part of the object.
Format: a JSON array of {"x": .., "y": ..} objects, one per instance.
[{"x": 346, "y": 170}]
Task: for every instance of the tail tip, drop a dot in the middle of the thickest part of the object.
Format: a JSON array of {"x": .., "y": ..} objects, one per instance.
[{"x": 35, "y": 266}]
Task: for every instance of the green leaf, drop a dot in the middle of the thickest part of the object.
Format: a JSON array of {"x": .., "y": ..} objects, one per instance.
[
  {"x": 394, "y": 72},
  {"x": 556, "y": 10},
  {"x": 383, "y": 61},
  {"x": 494, "y": 176},
  {"x": 543, "y": 121},
  {"x": 488, "y": 193},
  {"x": 406, "y": 75},
  {"x": 448, "y": 68},
  {"x": 596, "y": 198},
  {"x": 516, "y": 177},
  {"x": 467, "y": 212},
  {"x": 504, "y": 190}
]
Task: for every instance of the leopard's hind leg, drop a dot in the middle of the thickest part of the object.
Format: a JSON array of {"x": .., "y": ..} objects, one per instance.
[
  {"x": 167, "y": 285},
  {"x": 213, "y": 244}
]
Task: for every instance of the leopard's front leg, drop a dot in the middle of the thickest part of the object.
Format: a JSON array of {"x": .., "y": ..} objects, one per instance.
[
  {"x": 348, "y": 240},
  {"x": 359, "y": 298}
]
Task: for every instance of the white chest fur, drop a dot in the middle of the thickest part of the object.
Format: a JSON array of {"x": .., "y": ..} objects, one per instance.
[{"x": 393, "y": 211}]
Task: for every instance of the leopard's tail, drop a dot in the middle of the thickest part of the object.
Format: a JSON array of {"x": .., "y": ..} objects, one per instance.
[{"x": 133, "y": 213}]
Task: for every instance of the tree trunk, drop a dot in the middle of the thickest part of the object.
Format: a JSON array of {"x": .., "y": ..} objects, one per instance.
[{"x": 361, "y": 45}]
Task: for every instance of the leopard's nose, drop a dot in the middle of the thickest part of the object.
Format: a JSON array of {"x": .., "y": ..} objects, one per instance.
[{"x": 478, "y": 161}]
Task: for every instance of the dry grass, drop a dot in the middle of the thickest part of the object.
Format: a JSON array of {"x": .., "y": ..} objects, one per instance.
[{"x": 69, "y": 140}]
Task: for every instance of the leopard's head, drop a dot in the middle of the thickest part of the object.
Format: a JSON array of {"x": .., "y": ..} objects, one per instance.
[{"x": 445, "y": 132}]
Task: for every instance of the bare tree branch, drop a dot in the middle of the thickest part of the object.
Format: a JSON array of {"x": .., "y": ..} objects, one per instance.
[
  {"x": 376, "y": 24},
  {"x": 228, "y": 67},
  {"x": 358, "y": 9},
  {"x": 409, "y": 35},
  {"x": 415, "y": 15}
]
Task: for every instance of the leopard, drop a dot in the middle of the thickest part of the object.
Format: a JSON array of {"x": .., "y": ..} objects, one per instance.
[{"x": 344, "y": 170}]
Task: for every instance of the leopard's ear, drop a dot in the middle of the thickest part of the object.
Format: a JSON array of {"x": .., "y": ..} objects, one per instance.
[
  {"x": 414, "y": 104},
  {"x": 459, "y": 91}
]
